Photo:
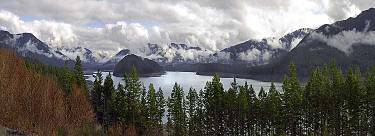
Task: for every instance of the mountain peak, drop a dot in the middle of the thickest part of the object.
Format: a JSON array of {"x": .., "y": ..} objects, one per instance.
[
  {"x": 123, "y": 52},
  {"x": 368, "y": 11},
  {"x": 367, "y": 15}
]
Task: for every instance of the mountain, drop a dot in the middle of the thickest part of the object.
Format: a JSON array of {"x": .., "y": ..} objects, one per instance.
[
  {"x": 144, "y": 66},
  {"x": 86, "y": 55},
  {"x": 173, "y": 53},
  {"x": 121, "y": 54},
  {"x": 251, "y": 52},
  {"x": 110, "y": 64},
  {"x": 349, "y": 42},
  {"x": 259, "y": 52},
  {"x": 31, "y": 48}
]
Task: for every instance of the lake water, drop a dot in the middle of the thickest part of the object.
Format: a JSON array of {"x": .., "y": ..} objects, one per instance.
[{"x": 187, "y": 80}]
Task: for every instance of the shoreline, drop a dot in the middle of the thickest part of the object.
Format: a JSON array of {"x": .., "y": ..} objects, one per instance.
[
  {"x": 263, "y": 78},
  {"x": 158, "y": 74}
]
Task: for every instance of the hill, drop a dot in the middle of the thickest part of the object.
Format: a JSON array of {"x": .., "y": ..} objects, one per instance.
[{"x": 144, "y": 66}]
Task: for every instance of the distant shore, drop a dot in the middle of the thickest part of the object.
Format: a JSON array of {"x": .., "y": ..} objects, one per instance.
[
  {"x": 264, "y": 78},
  {"x": 158, "y": 74}
]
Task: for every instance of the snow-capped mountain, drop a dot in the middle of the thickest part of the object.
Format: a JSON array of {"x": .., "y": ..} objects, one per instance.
[
  {"x": 262, "y": 51},
  {"x": 175, "y": 53},
  {"x": 251, "y": 52},
  {"x": 349, "y": 42},
  {"x": 86, "y": 55},
  {"x": 30, "y": 47},
  {"x": 291, "y": 40},
  {"x": 121, "y": 54}
]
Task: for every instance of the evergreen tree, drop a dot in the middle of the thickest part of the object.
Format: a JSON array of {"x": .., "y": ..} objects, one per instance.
[
  {"x": 67, "y": 79},
  {"x": 262, "y": 114},
  {"x": 142, "y": 121},
  {"x": 231, "y": 108},
  {"x": 370, "y": 101},
  {"x": 292, "y": 101},
  {"x": 80, "y": 78},
  {"x": 133, "y": 89},
  {"x": 253, "y": 104},
  {"x": 121, "y": 105},
  {"x": 108, "y": 92},
  {"x": 352, "y": 102},
  {"x": 153, "y": 112},
  {"x": 243, "y": 111},
  {"x": 192, "y": 99},
  {"x": 97, "y": 97},
  {"x": 176, "y": 111},
  {"x": 160, "y": 103},
  {"x": 215, "y": 105},
  {"x": 274, "y": 105},
  {"x": 200, "y": 114}
]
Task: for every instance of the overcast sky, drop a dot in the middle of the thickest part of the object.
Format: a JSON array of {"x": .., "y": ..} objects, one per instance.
[{"x": 108, "y": 26}]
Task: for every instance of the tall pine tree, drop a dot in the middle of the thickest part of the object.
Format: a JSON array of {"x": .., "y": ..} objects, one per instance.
[
  {"x": 80, "y": 78},
  {"x": 177, "y": 112}
]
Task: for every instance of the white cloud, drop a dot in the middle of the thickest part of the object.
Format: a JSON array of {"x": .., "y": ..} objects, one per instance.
[
  {"x": 295, "y": 42},
  {"x": 345, "y": 40},
  {"x": 342, "y": 9},
  {"x": 251, "y": 55},
  {"x": 209, "y": 24}
]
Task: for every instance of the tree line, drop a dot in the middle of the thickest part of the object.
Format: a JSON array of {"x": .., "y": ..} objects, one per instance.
[
  {"x": 330, "y": 103},
  {"x": 49, "y": 100}
]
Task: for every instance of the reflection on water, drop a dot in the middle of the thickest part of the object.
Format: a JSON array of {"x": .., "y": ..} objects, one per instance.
[{"x": 187, "y": 80}]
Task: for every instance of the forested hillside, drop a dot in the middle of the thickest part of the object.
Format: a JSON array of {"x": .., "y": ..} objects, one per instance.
[{"x": 42, "y": 100}]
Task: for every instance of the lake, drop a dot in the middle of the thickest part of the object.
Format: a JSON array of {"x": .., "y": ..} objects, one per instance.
[{"x": 187, "y": 80}]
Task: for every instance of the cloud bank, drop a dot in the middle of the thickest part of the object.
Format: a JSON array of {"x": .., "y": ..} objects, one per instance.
[
  {"x": 107, "y": 26},
  {"x": 345, "y": 40}
]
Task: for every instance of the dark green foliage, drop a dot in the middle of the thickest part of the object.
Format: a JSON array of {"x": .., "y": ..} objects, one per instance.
[
  {"x": 176, "y": 111},
  {"x": 142, "y": 121},
  {"x": 121, "y": 105},
  {"x": 152, "y": 111},
  {"x": 328, "y": 104},
  {"x": 97, "y": 97},
  {"x": 160, "y": 103},
  {"x": 108, "y": 94},
  {"x": 80, "y": 78},
  {"x": 214, "y": 97},
  {"x": 192, "y": 100},
  {"x": 63, "y": 75}
]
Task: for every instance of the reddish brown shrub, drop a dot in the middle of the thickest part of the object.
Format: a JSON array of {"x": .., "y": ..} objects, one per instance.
[
  {"x": 81, "y": 112},
  {"x": 32, "y": 102},
  {"x": 116, "y": 130},
  {"x": 131, "y": 130}
]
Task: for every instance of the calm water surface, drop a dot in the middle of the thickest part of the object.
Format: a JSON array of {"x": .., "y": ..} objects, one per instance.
[{"x": 187, "y": 80}]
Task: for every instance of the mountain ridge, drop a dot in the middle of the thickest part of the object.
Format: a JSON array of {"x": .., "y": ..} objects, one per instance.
[{"x": 327, "y": 43}]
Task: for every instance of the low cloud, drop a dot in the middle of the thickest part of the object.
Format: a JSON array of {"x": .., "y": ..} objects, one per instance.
[
  {"x": 345, "y": 40},
  {"x": 256, "y": 56}
]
